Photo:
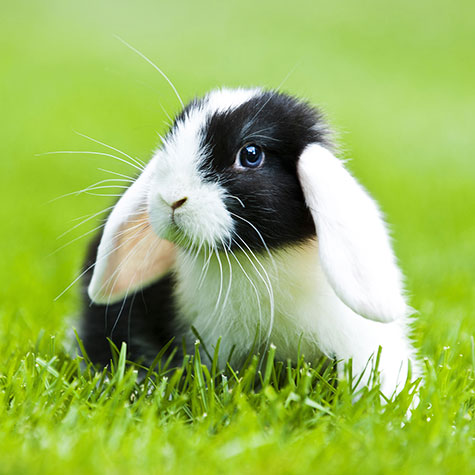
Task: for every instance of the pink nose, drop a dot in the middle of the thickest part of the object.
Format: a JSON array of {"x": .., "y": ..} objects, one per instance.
[{"x": 178, "y": 203}]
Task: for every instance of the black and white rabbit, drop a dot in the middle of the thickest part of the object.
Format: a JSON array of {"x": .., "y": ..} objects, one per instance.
[{"x": 245, "y": 225}]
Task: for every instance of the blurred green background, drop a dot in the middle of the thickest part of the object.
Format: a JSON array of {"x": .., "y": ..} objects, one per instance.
[{"x": 396, "y": 81}]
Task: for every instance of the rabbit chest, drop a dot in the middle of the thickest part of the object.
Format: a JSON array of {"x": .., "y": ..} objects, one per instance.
[{"x": 249, "y": 299}]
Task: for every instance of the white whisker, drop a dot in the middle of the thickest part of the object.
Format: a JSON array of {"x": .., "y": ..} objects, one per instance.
[
  {"x": 139, "y": 162},
  {"x": 267, "y": 284},
  {"x": 117, "y": 174},
  {"x": 260, "y": 136},
  {"x": 252, "y": 284},
  {"x": 220, "y": 280},
  {"x": 271, "y": 95},
  {"x": 111, "y": 180},
  {"x": 170, "y": 120},
  {"x": 92, "y": 265},
  {"x": 94, "y": 188},
  {"x": 197, "y": 253},
  {"x": 228, "y": 290},
  {"x": 88, "y": 218},
  {"x": 109, "y": 195},
  {"x": 236, "y": 198},
  {"x": 90, "y": 152},
  {"x": 89, "y": 188},
  {"x": 260, "y": 237},
  {"x": 115, "y": 275},
  {"x": 130, "y": 255},
  {"x": 154, "y": 66},
  {"x": 76, "y": 239},
  {"x": 204, "y": 271}
]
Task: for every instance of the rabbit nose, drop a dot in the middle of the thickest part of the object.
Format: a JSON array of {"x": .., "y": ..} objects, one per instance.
[{"x": 178, "y": 203}]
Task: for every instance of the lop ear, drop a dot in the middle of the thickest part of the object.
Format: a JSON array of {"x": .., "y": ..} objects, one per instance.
[
  {"x": 354, "y": 245},
  {"x": 130, "y": 255}
]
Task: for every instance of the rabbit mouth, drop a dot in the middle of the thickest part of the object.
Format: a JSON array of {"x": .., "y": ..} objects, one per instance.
[{"x": 174, "y": 231}]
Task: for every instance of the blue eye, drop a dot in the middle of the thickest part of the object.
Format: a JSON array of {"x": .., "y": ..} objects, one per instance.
[{"x": 250, "y": 156}]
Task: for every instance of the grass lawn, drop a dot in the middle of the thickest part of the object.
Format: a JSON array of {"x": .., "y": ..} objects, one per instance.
[{"x": 396, "y": 80}]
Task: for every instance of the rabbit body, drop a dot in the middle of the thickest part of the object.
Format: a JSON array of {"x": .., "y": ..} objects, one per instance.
[{"x": 245, "y": 227}]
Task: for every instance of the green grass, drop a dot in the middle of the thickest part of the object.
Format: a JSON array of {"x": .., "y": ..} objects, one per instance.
[{"x": 396, "y": 81}]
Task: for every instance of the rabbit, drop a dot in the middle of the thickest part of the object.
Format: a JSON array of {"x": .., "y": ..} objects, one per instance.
[{"x": 245, "y": 226}]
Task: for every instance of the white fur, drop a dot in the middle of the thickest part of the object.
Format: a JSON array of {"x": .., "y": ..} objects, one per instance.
[
  {"x": 307, "y": 313},
  {"x": 224, "y": 99},
  {"x": 355, "y": 249}
]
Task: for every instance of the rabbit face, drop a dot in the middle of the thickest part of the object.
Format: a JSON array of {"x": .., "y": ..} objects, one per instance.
[{"x": 227, "y": 172}]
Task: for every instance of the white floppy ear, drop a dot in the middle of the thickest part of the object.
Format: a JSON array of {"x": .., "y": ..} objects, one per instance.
[
  {"x": 354, "y": 245},
  {"x": 130, "y": 255}
]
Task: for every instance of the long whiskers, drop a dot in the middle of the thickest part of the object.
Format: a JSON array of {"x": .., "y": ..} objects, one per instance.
[
  {"x": 154, "y": 66},
  {"x": 137, "y": 161},
  {"x": 88, "y": 218},
  {"x": 111, "y": 281},
  {"x": 204, "y": 271},
  {"x": 91, "y": 188},
  {"x": 220, "y": 279},
  {"x": 91, "y": 152},
  {"x": 152, "y": 248},
  {"x": 93, "y": 264},
  {"x": 130, "y": 255},
  {"x": 228, "y": 290},
  {"x": 77, "y": 239},
  {"x": 266, "y": 247},
  {"x": 267, "y": 282},
  {"x": 270, "y": 95},
  {"x": 237, "y": 199},
  {"x": 121, "y": 265},
  {"x": 117, "y": 174},
  {"x": 252, "y": 285}
]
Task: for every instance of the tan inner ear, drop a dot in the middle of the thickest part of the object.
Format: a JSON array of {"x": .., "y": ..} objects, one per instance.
[{"x": 140, "y": 257}]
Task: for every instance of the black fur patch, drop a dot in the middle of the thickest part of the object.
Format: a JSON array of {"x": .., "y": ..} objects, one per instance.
[
  {"x": 145, "y": 320},
  {"x": 273, "y": 200}
]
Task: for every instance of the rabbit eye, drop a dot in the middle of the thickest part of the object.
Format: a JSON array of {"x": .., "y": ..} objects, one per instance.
[{"x": 250, "y": 156}]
